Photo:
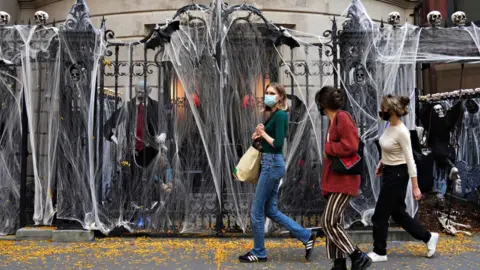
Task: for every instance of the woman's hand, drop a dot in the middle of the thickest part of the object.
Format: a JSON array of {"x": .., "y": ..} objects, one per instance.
[
  {"x": 417, "y": 194},
  {"x": 260, "y": 129},
  {"x": 255, "y": 136},
  {"x": 379, "y": 169}
]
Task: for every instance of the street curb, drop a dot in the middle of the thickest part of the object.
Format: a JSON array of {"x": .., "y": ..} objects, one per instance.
[
  {"x": 366, "y": 236},
  {"x": 394, "y": 235},
  {"x": 66, "y": 236}
]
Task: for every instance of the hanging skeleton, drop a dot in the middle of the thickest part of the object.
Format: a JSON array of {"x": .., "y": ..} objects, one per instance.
[{"x": 439, "y": 125}]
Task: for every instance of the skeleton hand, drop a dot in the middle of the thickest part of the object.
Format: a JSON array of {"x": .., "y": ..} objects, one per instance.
[
  {"x": 458, "y": 186},
  {"x": 167, "y": 187},
  {"x": 161, "y": 138},
  {"x": 114, "y": 139},
  {"x": 454, "y": 174}
]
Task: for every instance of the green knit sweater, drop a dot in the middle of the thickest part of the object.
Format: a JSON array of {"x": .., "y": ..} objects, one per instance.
[{"x": 276, "y": 127}]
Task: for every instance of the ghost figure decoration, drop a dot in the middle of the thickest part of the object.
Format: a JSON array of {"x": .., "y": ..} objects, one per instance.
[
  {"x": 459, "y": 18},
  {"x": 439, "y": 110},
  {"x": 471, "y": 106},
  {"x": 394, "y": 18},
  {"x": 41, "y": 18},
  {"x": 435, "y": 18},
  {"x": 4, "y": 18}
]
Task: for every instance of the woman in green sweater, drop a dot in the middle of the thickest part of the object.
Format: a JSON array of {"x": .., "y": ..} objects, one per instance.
[{"x": 272, "y": 136}]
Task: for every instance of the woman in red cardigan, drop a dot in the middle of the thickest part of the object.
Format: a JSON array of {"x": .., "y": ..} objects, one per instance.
[{"x": 342, "y": 141}]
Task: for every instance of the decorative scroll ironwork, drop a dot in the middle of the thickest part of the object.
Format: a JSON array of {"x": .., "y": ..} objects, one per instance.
[{"x": 78, "y": 19}]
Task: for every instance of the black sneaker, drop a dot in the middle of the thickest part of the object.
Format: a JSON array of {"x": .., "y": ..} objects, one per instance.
[
  {"x": 310, "y": 245},
  {"x": 360, "y": 260},
  {"x": 339, "y": 264},
  {"x": 250, "y": 258}
]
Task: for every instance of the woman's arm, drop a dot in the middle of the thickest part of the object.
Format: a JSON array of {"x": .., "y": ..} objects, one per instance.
[
  {"x": 349, "y": 139},
  {"x": 268, "y": 139}
]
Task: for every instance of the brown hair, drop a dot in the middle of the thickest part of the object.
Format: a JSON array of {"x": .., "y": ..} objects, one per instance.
[
  {"x": 331, "y": 98},
  {"x": 282, "y": 103},
  {"x": 397, "y": 105}
]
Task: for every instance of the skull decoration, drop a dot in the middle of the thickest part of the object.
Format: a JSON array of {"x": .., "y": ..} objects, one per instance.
[
  {"x": 439, "y": 110},
  {"x": 394, "y": 18},
  {"x": 4, "y": 18},
  {"x": 435, "y": 18},
  {"x": 360, "y": 76},
  {"x": 75, "y": 73},
  {"x": 41, "y": 17},
  {"x": 459, "y": 18}
]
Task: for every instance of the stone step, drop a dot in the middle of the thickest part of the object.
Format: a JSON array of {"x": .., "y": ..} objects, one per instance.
[
  {"x": 34, "y": 234},
  {"x": 64, "y": 236},
  {"x": 67, "y": 236}
]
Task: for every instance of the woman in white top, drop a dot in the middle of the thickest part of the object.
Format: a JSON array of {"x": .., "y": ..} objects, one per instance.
[{"x": 397, "y": 167}]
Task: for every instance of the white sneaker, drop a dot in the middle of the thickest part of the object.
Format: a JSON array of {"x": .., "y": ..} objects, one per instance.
[
  {"x": 377, "y": 258},
  {"x": 432, "y": 245}
]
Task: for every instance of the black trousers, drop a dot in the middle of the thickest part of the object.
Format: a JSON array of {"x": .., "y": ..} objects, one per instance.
[{"x": 391, "y": 202}]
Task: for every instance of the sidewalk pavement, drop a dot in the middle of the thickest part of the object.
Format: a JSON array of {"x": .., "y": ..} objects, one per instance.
[{"x": 214, "y": 253}]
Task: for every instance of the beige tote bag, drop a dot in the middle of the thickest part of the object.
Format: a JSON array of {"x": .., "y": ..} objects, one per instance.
[{"x": 248, "y": 168}]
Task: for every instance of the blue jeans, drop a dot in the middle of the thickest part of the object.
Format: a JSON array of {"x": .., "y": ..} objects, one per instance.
[{"x": 265, "y": 204}]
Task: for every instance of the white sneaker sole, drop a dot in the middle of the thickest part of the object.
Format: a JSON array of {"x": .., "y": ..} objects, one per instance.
[
  {"x": 434, "y": 240},
  {"x": 377, "y": 258}
]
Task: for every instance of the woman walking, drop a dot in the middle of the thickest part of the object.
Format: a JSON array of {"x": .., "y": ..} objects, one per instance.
[
  {"x": 342, "y": 141},
  {"x": 397, "y": 167},
  {"x": 272, "y": 136}
]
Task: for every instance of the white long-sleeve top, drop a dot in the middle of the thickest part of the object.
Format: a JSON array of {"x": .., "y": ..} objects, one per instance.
[{"x": 397, "y": 148}]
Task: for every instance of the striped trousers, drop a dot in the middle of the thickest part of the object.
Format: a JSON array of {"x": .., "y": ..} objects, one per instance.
[{"x": 339, "y": 244}]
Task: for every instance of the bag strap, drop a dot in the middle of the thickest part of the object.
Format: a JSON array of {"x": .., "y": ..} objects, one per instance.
[
  {"x": 270, "y": 118},
  {"x": 351, "y": 119},
  {"x": 349, "y": 116}
]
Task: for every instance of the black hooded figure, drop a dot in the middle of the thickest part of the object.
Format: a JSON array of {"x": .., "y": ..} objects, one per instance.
[
  {"x": 146, "y": 131},
  {"x": 439, "y": 125}
]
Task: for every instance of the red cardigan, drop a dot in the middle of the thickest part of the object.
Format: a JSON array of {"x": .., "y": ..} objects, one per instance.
[{"x": 343, "y": 142}]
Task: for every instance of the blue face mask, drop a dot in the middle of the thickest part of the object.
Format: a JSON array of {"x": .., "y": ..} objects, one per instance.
[{"x": 270, "y": 101}]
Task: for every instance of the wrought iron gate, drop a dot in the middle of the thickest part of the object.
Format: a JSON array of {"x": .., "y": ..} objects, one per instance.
[{"x": 121, "y": 67}]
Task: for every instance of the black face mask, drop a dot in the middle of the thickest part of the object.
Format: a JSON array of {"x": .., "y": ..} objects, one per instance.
[
  {"x": 321, "y": 110},
  {"x": 384, "y": 115}
]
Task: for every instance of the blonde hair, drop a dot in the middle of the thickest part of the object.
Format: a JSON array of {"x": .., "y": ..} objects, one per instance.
[
  {"x": 395, "y": 104},
  {"x": 282, "y": 104}
]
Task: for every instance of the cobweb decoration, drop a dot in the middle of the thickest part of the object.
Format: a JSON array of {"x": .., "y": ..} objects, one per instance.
[
  {"x": 468, "y": 153},
  {"x": 205, "y": 96},
  {"x": 40, "y": 51},
  {"x": 389, "y": 62},
  {"x": 227, "y": 113},
  {"x": 10, "y": 145},
  {"x": 52, "y": 71},
  {"x": 77, "y": 154}
]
